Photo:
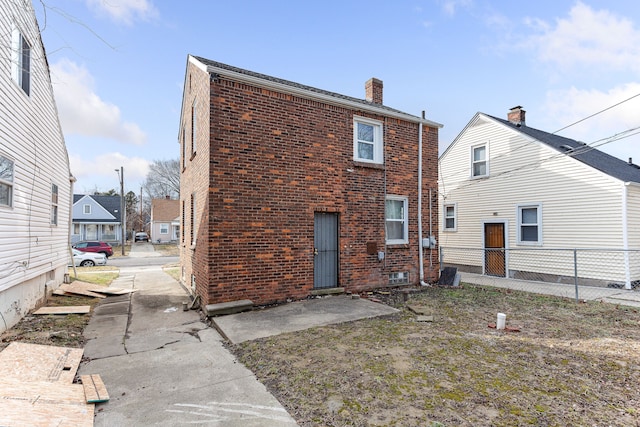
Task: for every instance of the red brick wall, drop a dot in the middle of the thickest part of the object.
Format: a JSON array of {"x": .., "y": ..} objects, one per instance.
[{"x": 276, "y": 159}]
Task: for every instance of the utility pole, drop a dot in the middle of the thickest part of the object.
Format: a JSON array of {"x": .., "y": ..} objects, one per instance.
[{"x": 123, "y": 213}]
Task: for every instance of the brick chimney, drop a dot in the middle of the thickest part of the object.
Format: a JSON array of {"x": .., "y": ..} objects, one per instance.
[
  {"x": 517, "y": 116},
  {"x": 373, "y": 90}
]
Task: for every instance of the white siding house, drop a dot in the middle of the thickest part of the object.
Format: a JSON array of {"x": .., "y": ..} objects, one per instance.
[
  {"x": 504, "y": 185},
  {"x": 165, "y": 220},
  {"x": 96, "y": 218},
  {"x": 35, "y": 179}
]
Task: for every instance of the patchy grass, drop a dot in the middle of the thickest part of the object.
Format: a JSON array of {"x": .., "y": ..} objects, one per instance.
[
  {"x": 167, "y": 249},
  {"x": 173, "y": 270},
  {"x": 571, "y": 364},
  {"x": 59, "y": 330}
]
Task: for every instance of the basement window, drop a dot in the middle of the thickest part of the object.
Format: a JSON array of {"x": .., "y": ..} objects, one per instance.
[{"x": 398, "y": 277}]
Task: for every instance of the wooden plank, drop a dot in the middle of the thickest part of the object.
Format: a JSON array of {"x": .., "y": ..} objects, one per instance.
[
  {"x": 68, "y": 309},
  {"x": 94, "y": 389},
  {"x": 43, "y": 413},
  {"x": 34, "y": 362},
  {"x": 113, "y": 291},
  {"x": 78, "y": 290}
]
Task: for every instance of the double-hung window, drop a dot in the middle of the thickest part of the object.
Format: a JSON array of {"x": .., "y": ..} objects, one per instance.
[
  {"x": 479, "y": 162},
  {"x": 530, "y": 224},
  {"x": 450, "y": 220},
  {"x": 164, "y": 228},
  {"x": 54, "y": 204},
  {"x": 367, "y": 141},
  {"x": 397, "y": 220},
  {"x": 194, "y": 128},
  {"x": 193, "y": 219},
  {"x": 21, "y": 61},
  {"x": 6, "y": 181}
]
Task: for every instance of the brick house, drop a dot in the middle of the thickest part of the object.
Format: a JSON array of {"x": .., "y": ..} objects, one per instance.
[{"x": 288, "y": 190}]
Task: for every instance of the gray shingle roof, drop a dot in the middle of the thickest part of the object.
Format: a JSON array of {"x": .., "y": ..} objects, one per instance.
[
  {"x": 110, "y": 203},
  {"x": 595, "y": 158},
  {"x": 364, "y": 102}
]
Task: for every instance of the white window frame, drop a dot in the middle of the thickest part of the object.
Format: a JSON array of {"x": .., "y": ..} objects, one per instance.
[
  {"x": 86, "y": 209},
  {"x": 538, "y": 224},
  {"x": 194, "y": 128},
  {"x": 6, "y": 179},
  {"x": 378, "y": 143},
  {"x": 193, "y": 220},
  {"x": 473, "y": 162},
  {"x": 446, "y": 217},
  {"x": 21, "y": 60},
  {"x": 54, "y": 204},
  {"x": 405, "y": 220},
  {"x": 164, "y": 228}
]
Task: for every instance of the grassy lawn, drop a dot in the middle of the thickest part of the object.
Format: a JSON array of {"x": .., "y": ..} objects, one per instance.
[{"x": 570, "y": 364}]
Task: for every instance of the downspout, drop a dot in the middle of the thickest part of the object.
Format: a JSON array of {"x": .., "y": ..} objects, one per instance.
[
  {"x": 421, "y": 254},
  {"x": 625, "y": 237},
  {"x": 72, "y": 181}
]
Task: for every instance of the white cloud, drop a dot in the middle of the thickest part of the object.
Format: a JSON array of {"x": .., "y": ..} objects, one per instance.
[
  {"x": 587, "y": 37},
  {"x": 563, "y": 107},
  {"x": 102, "y": 169},
  {"x": 450, "y": 7},
  {"x": 83, "y": 112},
  {"x": 125, "y": 11}
]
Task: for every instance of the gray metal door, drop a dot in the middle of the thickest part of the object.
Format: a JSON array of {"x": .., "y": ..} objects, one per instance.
[{"x": 325, "y": 251}]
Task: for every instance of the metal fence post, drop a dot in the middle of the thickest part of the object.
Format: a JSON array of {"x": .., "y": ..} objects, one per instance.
[{"x": 575, "y": 272}]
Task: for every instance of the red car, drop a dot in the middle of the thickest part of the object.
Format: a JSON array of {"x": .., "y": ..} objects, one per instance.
[{"x": 99, "y": 247}]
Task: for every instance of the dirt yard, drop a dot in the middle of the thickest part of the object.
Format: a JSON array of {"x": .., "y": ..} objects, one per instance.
[{"x": 570, "y": 364}]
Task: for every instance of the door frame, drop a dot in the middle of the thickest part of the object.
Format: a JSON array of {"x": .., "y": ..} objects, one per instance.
[
  {"x": 336, "y": 215},
  {"x": 505, "y": 225}
]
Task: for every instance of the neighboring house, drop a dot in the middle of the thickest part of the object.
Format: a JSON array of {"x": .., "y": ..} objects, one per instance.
[
  {"x": 96, "y": 218},
  {"x": 165, "y": 220},
  {"x": 503, "y": 184},
  {"x": 286, "y": 190},
  {"x": 35, "y": 179}
]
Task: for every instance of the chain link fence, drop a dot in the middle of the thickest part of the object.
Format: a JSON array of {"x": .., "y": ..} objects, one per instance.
[{"x": 579, "y": 273}]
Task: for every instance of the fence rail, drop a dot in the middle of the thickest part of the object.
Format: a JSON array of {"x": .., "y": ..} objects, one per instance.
[{"x": 603, "y": 268}]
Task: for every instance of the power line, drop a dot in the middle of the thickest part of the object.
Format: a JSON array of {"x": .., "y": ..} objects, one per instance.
[{"x": 595, "y": 114}]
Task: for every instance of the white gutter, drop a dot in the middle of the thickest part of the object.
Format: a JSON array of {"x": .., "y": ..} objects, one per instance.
[
  {"x": 420, "y": 205},
  {"x": 625, "y": 237}
]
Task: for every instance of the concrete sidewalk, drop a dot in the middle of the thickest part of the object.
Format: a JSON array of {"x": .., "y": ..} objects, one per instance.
[
  {"x": 163, "y": 366},
  {"x": 588, "y": 293}
]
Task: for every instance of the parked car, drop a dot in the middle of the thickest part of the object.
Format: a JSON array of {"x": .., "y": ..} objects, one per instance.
[
  {"x": 141, "y": 237},
  {"x": 88, "y": 259},
  {"x": 99, "y": 247}
]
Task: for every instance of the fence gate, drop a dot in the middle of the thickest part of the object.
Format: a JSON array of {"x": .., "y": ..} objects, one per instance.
[
  {"x": 325, "y": 250},
  {"x": 494, "y": 254}
]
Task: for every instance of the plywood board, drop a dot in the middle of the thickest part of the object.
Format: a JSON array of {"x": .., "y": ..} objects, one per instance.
[
  {"x": 77, "y": 289},
  {"x": 94, "y": 389},
  {"x": 68, "y": 309},
  {"x": 34, "y": 362},
  {"x": 43, "y": 413}
]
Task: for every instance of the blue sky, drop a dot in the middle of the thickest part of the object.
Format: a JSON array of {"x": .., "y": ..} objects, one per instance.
[{"x": 118, "y": 65}]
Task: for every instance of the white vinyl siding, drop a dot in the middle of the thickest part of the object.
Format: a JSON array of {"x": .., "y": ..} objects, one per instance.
[
  {"x": 31, "y": 137},
  {"x": 582, "y": 206}
]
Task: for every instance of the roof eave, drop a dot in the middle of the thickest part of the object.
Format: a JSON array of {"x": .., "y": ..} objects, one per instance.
[{"x": 326, "y": 98}]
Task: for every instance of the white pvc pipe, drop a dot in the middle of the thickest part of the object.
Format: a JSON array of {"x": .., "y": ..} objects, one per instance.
[{"x": 420, "y": 204}]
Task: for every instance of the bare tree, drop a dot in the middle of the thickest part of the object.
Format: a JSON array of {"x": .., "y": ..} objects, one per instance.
[{"x": 163, "y": 180}]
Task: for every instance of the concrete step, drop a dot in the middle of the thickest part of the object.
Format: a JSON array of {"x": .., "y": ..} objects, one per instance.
[{"x": 230, "y": 307}]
